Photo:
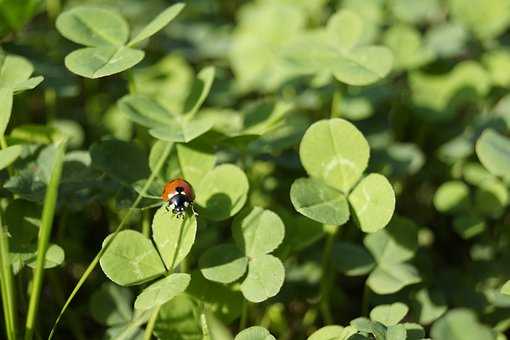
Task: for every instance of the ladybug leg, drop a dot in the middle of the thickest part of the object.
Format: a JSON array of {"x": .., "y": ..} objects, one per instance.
[{"x": 193, "y": 209}]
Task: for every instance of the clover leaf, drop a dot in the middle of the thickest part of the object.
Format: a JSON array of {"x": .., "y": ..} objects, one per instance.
[
  {"x": 337, "y": 51},
  {"x": 162, "y": 291},
  {"x": 493, "y": 150},
  {"x": 343, "y": 154},
  {"x": 335, "y": 170},
  {"x": 173, "y": 237},
  {"x": 223, "y": 263},
  {"x": 222, "y": 192},
  {"x": 15, "y": 74},
  {"x": 131, "y": 259},
  {"x": 256, "y": 233},
  {"x": 318, "y": 201},
  {"x": 390, "y": 278},
  {"x": 106, "y": 34},
  {"x": 373, "y": 202},
  {"x": 170, "y": 126},
  {"x": 455, "y": 324},
  {"x": 265, "y": 278},
  {"x": 254, "y": 333},
  {"x": 333, "y": 332},
  {"x": 389, "y": 315},
  {"x": 391, "y": 247}
]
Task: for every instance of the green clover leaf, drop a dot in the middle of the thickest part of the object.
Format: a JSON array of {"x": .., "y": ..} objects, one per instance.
[
  {"x": 162, "y": 291},
  {"x": 106, "y": 34},
  {"x": 256, "y": 233}
]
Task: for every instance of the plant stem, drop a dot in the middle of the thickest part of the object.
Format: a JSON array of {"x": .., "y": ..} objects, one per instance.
[
  {"x": 122, "y": 224},
  {"x": 146, "y": 223},
  {"x": 50, "y": 202},
  {"x": 327, "y": 276},
  {"x": 53, "y": 8},
  {"x": 6, "y": 282},
  {"x": 150, "y": 325},
  {"x": 203, "y": 323},
  {"x": 364, "y": 302},
  {"x": 244, "y": 315}
]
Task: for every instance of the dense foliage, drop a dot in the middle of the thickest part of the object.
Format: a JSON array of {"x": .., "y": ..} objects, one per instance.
[{"x": 350, "y": 160}]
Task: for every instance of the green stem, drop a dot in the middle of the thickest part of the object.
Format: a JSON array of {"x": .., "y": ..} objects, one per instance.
[
  {"x": 244, "y": 315},
  {"x": 150, "y": 325},
  {"x": 364, "y": 302},
  {"x": 131, "y": 82},
  {"x": 203, "y": 323},
  {"x": 50, "y": 103},
  {"x": 50, "y": 202},
  {"x": 327, "y": 277},
  {"x": 146, "y": 223},
  {"x": 53, "y": 8},
  {"x": 6, "y": 282},
  {"x": 121, "y": 226}
]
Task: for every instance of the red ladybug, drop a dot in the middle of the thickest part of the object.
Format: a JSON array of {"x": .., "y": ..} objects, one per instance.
[{"x": 179, "y": 195}]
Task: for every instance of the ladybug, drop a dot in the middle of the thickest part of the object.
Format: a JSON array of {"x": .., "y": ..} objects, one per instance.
[{"x": 179, "y": 195}]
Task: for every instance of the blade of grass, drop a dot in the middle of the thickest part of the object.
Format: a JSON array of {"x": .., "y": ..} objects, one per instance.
[
  {"x": 122, "y": 224},
  {"x": 50, "y": 202},
  {"x": 6, "y": 283}
]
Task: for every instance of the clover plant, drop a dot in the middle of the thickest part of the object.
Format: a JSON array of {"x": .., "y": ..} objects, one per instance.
[{"x": 347, "y": 164}]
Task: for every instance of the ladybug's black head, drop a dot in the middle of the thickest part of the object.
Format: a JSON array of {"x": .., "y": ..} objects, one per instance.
[{"x": 178, "y": 202}]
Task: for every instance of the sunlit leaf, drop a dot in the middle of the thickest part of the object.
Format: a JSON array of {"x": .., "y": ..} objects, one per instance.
[
  {"x": 181, "y": 131},
  {"x": 389, "y": 315},
  {"x": 344, "y": 153},
  {"x": 373, "y": 202},
  {"x": 158, "y": 23},
  {"x": 9, "y": 155},
  {"x": 93, "y": 26},
  {"x": 254, "y": 333},
  {"x": 265, "y": 278},
  {"x": 102, "y": 61},
  {"x": 452, "y": 197},
  {"x": 131, "y": 259},
  {"x": 258, "y": 232},
  {"x": 173, "y": 237},
  {"x": 459, "y": 322},
  {"x": 145, "y": 111},
  {"x": 199, "y": 91},
  {"x": 318, "y": 201},
  {"x": 397, "y": 243},
  {"x": 222, "y": 192},
  {"x": 391, "y": 278},
  {"x": 486, "y": 18},
  {"x": 493, "y": 150},
  {"x": 5, "y": 109},
  {"x": 162, "y": 291}
]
